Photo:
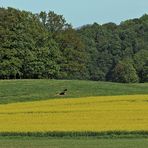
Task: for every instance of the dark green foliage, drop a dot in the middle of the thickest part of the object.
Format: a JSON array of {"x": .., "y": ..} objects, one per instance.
[
  {"x": 31, "y": 46},
  {"x": 124, "y": 72},
  {"x": 25, "y": 50},
  {"x": 109, "y": 44},
  {"x": 53, "y": 22},
  {"x": 145, "y": 73},
  {"x": 141, "y": 64},
  {"x": 73, "y": 61},
  {"x": 44, "y": 45}
]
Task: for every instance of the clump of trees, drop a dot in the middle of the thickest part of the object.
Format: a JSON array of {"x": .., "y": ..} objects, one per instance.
[
  {"x": 44, "y": 45},
  {"x": 117, "y": 52},
  {"x": 39, "y": 46}
]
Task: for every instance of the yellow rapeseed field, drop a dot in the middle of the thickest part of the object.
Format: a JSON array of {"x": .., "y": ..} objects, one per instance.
[{"x": 110, "y": 113}]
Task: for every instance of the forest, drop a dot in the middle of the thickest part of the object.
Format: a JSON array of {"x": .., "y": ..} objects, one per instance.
[{"x": 45, "y": 46}]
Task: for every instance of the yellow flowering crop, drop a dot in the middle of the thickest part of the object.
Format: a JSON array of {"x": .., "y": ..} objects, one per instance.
[{"x": 110, "y": 113}]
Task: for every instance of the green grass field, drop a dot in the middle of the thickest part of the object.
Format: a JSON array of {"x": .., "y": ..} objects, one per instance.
[
  {"x": 29, "y": 90},
  {"x": 72, "y": 143}
]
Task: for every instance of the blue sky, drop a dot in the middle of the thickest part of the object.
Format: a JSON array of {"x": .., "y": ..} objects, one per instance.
[{"x": 80, "y": 12}]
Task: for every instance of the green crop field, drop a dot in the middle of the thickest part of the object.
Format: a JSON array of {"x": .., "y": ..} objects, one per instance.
[{"x": 30, "y": 90}]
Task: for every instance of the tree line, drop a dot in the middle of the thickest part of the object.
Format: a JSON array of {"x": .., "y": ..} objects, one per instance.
[{"x": 44, "y": 45}]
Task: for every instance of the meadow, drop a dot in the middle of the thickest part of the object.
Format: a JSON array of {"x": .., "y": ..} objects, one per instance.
[
  {"x": 38, "y": 142},
  {"x": 32, "y": 90}
]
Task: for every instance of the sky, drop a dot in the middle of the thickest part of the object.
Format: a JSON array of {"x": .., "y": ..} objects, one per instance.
[{"x": 82, "y": 12}]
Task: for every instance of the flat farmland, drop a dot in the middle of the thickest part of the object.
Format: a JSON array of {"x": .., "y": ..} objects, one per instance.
[{"x": 90, "y": 115}]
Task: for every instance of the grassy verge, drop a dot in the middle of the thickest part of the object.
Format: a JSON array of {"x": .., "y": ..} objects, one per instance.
[{"x": 40, "y": 142}]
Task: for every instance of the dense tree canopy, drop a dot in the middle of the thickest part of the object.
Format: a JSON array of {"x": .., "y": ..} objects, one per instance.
[
  {"x": 109, "y": 45},
  {"x": 44, "y": 45}
]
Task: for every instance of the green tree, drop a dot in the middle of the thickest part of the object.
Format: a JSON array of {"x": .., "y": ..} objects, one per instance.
[
  {"x": 124, "y": 72},
  {"x": 145, "y": 73},
  {"x": 140, "y": 61},
  {"x": 53, "y": 22},
  {"x": 73, "y": 62}
]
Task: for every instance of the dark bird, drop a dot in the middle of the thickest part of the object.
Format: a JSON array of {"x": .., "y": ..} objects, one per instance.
[{"x": 63, "y": 92}]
